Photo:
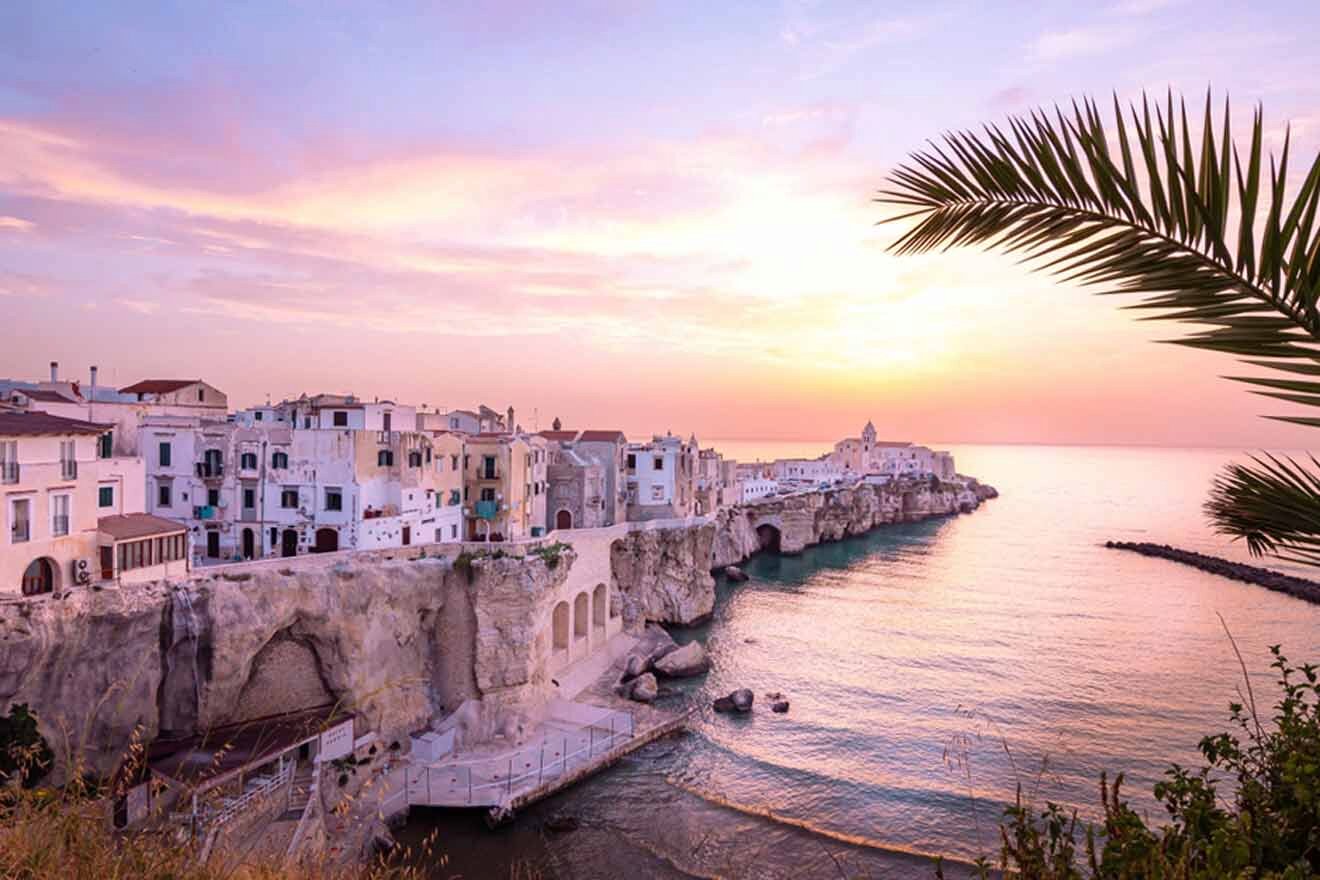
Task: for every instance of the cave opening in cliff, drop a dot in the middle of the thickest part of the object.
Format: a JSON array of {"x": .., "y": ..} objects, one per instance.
[{"x": 767, "y": 538}]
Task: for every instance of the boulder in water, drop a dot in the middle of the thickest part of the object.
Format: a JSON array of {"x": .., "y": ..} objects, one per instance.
[
  {"x": 735, "y": 574},
  {"x": 739, "y": 701},
  {"x": 644, "y": 688},
  {"x": 688, "y": 660},
  {"x": 780, "y": 706}
]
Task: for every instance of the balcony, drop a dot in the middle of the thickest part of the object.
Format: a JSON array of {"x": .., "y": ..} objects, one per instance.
[
  {"x": 208, "y": 470},
  {"x": 68, "y": 470},
  {"x": 9, "y": 472},
  {"x": 20, "y": 532},
  {"x": 488, "y": 474},
  {"x": 487, "y": 509}
]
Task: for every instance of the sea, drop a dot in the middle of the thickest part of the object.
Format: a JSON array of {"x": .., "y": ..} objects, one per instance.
[{"x": 936, "y": 671}]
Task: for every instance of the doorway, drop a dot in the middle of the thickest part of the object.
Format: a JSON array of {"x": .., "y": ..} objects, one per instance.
[
  {"x": 213, "y": 545},
  {"x": 249, "y": 544},
  {"x": 327, "y": 541},
  {"x": 289, "y": 543},
  {"x": 564, "y": 520},
  {"x": 407, "y": 535}
]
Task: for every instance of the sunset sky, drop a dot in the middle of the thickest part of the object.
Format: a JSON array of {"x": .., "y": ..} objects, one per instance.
[{"x": 639, "y": 215}]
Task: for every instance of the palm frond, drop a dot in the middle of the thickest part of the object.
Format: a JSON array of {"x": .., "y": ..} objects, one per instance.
[
  {"x": 1140, "y": 213},
  {"x": 1273, "y": 506}
]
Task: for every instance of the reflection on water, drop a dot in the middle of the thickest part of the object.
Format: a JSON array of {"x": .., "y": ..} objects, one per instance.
[{"x": 932, "y": 667}]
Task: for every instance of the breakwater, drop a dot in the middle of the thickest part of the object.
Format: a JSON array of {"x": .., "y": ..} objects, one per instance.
[{"x": 1238, "y": 571}]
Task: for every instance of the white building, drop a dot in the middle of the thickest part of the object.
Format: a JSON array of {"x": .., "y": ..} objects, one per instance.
[
  {"x": 857, "y": 457},
  {"x": 661, "y": 478}
]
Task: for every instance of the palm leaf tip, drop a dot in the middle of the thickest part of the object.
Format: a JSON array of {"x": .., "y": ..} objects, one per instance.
[
  {"x": 1272, "y": 504},
  {"x": 1141, "y": 212}
]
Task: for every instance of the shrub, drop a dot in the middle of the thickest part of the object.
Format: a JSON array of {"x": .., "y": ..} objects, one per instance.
[
  {"x": 24, "y": 753},
  {"x": 1268, "y": 828}
]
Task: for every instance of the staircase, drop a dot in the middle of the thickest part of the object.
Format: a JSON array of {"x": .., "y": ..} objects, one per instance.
[{"x": 300, "y": 790}]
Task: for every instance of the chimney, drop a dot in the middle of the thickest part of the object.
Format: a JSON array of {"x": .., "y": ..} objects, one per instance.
[
  {"x": 54, "y": 371},
  {"x": 93, "y": 383}
]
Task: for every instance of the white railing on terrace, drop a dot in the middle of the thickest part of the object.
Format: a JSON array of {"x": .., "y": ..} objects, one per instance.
[
  {"x": 257, "y": 789},
  {"x": 497, "y": 780}
]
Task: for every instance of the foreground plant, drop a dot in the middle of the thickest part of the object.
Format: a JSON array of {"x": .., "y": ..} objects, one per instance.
[
  {"x": 1178, "y": 226},
  {"x": 1253, "y": 810}
]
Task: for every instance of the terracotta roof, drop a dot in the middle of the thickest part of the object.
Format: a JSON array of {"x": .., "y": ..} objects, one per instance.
[
  {"x": 602, "y": 436},
  {"x": 158, "y": 386},
  {"x": 126, "y": 526},
  {"x": 43, "y": 395},
  {"x": 33, "y": 424}
]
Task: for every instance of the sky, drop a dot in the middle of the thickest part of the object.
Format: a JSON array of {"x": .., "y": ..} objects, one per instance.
[{"x": 634, "y": 215}]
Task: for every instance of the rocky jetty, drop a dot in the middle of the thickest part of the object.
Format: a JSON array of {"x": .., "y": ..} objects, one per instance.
[{"x": 1268, "y": 578}]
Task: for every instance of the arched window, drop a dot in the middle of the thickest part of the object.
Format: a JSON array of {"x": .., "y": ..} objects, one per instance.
[
  {"x": 279, "y": 460},
  {"x": 385, "y": 458}
]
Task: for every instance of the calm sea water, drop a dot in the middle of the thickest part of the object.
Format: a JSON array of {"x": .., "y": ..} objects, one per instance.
[{"x": 932, "y": 668}]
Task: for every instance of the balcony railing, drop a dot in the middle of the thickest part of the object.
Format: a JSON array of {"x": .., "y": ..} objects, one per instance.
[
  {"x": 487, "y": 509},
  {"x": 8, "y": 472},
  {"x": 488, "y": 474},
  {"x": 60, "y": 525},
  {"x": 69, "y": 470},
  {"x": 210, "y": 470},
  {"x": 21, "y": 531}
]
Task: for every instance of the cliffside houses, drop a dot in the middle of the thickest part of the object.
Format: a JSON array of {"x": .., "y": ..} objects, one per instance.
[
  {"x": 72, "y": 512},
  {"x": 661, "y": 478}
]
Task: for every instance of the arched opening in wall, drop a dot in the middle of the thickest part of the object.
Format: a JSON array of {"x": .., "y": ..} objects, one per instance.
[
  {"x": 41, "y": 576},
  {"x": 249, "y": 544},
  {"x": 580, "y": 612},
  {"x": 560, "y": 625},
  {"x": 327, "y": 541},
  {"x": 289, "y": 543},
  {"x": 564, "y": 519},
  {"x": 767, "y": 538},
  {"x": 285, "y": 677},
  {"x": 599, "y": 605}
]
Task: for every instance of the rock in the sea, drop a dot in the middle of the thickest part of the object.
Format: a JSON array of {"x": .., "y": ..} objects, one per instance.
[
  {"x": 644, "y": 688},
  {"x": 735, "y": 574},
  {"x": 688, "y": 660},
  {"x": 635, "y": 666},
  {"x": 780, "y": 706},
  {"x": 739, "y": 701},
  {"x": 560, "y": 823}
]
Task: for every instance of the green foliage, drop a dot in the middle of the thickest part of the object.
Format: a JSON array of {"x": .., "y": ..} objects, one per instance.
[
  {"x": 24, "y": 753},
  {"x": 1138, "y": 210},
  {"x": 551, "y": 553},
  {"x": 463, "y": 562},
  {"x": 1269, "y": 830}
]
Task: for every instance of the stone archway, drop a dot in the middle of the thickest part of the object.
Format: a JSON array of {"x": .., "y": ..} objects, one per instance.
[
  {"x": 41, "y": 576},
  {"x": 560, "y": 626},
  {"x": 767, "y": 537},
  {"x": 564, "y": 519},
  {"x": 599, "y": 606},
  {"x": 580, "y": 616}
]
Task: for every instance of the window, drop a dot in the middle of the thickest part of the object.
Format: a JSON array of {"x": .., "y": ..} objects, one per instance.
[
  {"x": 453, "y": 462},
  {"x": 289, "y": 497},
  {"x": 465, "y": 493},
  {"x": 279, "y": 460},
  {"x": 385, "y": 458},
  {"x": 659, "y": 463},
  {"x": 455, "y": 497},
  {"x": 162, "y": 494},
  {"x": 414, "y": 459},
  {"x": 385, "y": 422},
  {"x": 213, "y": 497},
  {"x": 165, "y": 454},
  {"x": 201, "y": 394},
  {"x": 487, "y": 494},
  {"x": 105, "y": 445},
  {"x": 632, "y": 462},
  {"x": 428, "y": 455},
  {"x": 249, "y": 498},
  {"x": 248, "y": 461},
  {"x": 257, "y": 415},
  {"x": 453, "y": 531},
  {"x": 341, "y": 419},
  {"x": 59, "y": 515},
  {"x": 488, "y": 467},
  {"x": 105, "y": 496},
  {"x": 334, "y": 499},
  {"x": 20, "y": 526},
  {"x": 307, "y": 421}
]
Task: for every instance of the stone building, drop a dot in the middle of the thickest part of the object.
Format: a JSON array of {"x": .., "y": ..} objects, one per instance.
[
  {"x": 504, "y": 486},
  {"x": 586, "y": 478},
  {"x": 661, "y": 478}
]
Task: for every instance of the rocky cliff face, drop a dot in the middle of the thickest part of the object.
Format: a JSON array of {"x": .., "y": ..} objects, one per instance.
[
  {"x": 394, "y": 641},
  {"x": 664, "y": 575},
  {"x": 790, "y": 525}
]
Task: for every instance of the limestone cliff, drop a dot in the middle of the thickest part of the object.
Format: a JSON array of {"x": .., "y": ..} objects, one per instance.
[
  {"x": 393, "y": 641},
  {"x": 664, "y": 574}
]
